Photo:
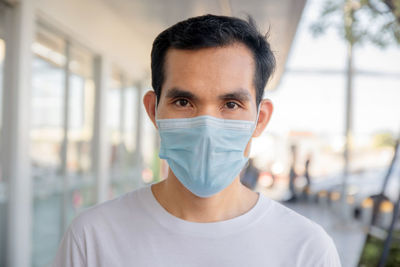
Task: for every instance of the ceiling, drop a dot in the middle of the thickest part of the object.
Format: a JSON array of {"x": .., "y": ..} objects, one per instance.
[{"x": 150, "y": 17}]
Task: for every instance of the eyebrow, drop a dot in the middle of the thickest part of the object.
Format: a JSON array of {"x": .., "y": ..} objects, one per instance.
[
  {"x": 240, "y": 94},
  {"x": 177, "y": 92}
]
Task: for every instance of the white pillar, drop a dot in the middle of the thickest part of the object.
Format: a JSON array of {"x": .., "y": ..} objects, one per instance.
[
  {"x": 3, "y": 206},
  {"x": 100, "y": 145},
  {"x": 16, "y": 122}
]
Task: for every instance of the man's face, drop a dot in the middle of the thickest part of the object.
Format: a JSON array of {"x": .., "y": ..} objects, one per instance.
[{"x": 212, "y": 81}]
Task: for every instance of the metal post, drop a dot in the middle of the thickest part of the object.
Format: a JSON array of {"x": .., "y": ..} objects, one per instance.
[
  {"x": 349, "y": 114},
  {"x": 15, "y": 138},
  {"x": 100, "y": 140},
  {"x": 349, "y": 17}
]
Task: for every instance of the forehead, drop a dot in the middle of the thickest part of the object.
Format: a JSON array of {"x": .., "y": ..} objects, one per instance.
[{"x": 208, "y": 72}]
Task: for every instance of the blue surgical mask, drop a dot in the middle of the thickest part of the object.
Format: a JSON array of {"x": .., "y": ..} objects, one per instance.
[{"x": 205, "y": 153}]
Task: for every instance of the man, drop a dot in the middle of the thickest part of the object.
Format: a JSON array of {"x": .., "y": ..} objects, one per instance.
[{"x": 208, "y": 76}]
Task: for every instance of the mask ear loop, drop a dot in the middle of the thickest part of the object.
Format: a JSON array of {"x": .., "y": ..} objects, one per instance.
[
  {"x": 258, "y": 114},
  {"x": 155, "y": 110},
  {"x": 155, "y": 113}
]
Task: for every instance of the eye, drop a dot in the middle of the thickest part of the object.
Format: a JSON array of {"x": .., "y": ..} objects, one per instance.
[
  {"x": 181, "y": 102},
  {"x": 232, "y": 105}
]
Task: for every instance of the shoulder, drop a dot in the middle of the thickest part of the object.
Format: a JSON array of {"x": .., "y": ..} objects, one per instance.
[
  {"x": 313, "y": 245},
  {"x": 103, "y": 214},
  {"x": 290, "y": 219},
  {"x": 93, "y": 224}
]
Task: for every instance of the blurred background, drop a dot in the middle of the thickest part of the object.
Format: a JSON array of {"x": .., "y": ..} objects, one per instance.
[{"x": 74, "y": 132}]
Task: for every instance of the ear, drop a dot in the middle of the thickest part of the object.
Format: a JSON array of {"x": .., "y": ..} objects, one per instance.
[
  {"x": 266, "y": 109},
  {"x": 149, "y": 102}
]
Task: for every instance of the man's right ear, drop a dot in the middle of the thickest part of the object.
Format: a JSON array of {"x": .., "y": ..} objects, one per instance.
[{"x": 149, "y": 102}]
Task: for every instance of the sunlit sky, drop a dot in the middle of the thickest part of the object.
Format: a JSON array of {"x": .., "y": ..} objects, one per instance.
[{"x": 310, "y": 101}]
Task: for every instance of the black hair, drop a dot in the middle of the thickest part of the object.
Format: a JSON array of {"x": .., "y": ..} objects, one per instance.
[{"x": 213, "y": 31}]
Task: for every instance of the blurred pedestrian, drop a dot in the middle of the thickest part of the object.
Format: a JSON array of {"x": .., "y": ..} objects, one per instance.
[
  {"x": 307, "y": 171},
  {"x": 292, "y": 174},
  {"x": 307, "y": 176},
  {"x": 249, "y": 177}
]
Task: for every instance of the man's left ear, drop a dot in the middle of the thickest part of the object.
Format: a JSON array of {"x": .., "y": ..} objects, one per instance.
[{"x": 266, "y": 109}]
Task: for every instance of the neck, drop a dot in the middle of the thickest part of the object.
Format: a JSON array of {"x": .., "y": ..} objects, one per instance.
[{"x": 231, "y": 202}]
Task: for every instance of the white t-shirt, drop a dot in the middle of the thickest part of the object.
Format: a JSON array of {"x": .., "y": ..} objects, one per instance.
[{"x": 135, "y": 230}]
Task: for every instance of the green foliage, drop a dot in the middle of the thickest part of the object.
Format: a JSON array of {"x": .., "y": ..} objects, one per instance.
[
  {"x": 371, "y": 252},
  {"x": 373, "y": 249},
  {"x": 357, "y": 21}
]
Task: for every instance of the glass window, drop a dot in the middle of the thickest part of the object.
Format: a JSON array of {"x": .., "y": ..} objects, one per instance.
[
  {"x": 61, "y": 133},
  {"x": 47, "y": 134},
  {"x": 80, "y": 131},
  {"x": 122, "y": 124},
  {"x": 131, "y": 111}
]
